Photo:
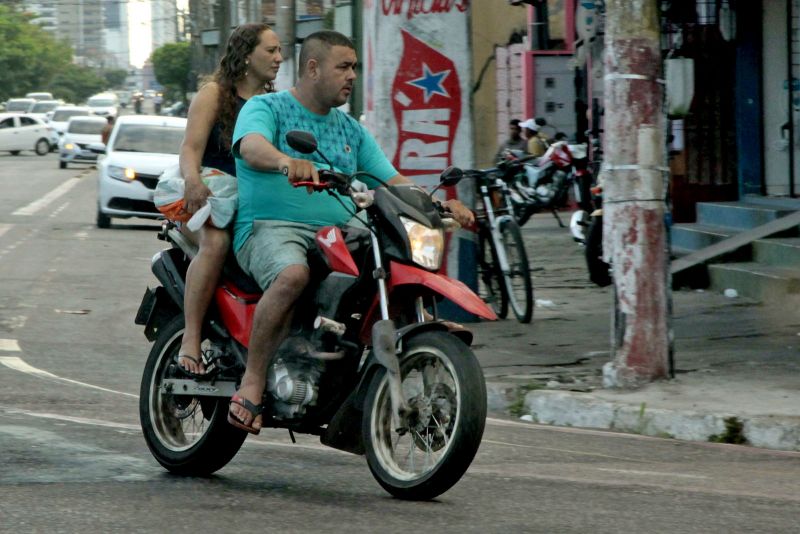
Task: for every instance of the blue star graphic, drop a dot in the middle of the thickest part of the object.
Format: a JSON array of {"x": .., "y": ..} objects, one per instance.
[{"x": 431, "y": 82}]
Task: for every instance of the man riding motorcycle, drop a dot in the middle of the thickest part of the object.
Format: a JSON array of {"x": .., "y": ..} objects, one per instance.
[{"x": 276, "y": 223}]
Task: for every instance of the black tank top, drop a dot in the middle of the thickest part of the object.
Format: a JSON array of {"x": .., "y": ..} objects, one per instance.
[{"x": 216, "y": 155}]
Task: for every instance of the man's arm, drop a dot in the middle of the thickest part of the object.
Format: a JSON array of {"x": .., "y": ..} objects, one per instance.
[{"x": 262, "y": 155}]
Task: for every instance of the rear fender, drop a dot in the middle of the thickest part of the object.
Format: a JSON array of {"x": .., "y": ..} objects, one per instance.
[
  {"x": 156, "y": 310},
  {"x": 169, "y": 267}
]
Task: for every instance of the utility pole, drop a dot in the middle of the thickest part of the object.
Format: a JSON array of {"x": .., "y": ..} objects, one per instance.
[
  {"x": 224, "y": 18},
  {"x": 285, "y": 27},
  {"x": 634, "y": 233}
]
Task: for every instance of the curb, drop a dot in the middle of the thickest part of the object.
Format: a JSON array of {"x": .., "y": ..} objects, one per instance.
[{"x": 573, "y": 409}]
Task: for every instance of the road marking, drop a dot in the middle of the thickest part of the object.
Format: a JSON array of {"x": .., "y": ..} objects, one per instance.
[
  {"x": 18, "y": 364},
  {"x": 568, "y": 451},
  {"x": 650, "y": 473},
  {"x": 45, "y": 201},
  {"x": 73, "y": 419},
  {"x": 61, "y": 208},
  {"x": 9, "y": 345},
  {"x": 5, "y": 228}
]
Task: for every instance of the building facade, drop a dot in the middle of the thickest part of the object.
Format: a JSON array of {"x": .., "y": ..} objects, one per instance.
[{"x": 164, "y": 22}]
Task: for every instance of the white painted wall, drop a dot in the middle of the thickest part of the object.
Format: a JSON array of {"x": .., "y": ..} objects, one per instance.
[{"x": 776, "y": 106}]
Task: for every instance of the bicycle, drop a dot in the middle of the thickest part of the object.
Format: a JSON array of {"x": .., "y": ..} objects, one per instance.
[{"x": 504, "y": 277}]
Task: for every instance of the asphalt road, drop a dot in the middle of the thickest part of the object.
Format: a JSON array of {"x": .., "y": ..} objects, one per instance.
[{"x": 72, "y": 457}]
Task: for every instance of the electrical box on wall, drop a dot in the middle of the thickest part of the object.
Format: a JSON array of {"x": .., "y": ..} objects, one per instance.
[{"x": 554, "y": 93}]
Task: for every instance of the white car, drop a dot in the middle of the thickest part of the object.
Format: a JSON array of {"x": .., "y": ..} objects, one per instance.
[
  {"x": 73, "y": 146},
  {"x": 40, "y": 96},
  {"x": 19, "y": 105},
  {"x": 20, "y": 132},
  {"x": 60, "y": 117},
  {"x": 104, "y": 104},
  {"x": 42, "y": 108},
  {"x": 139, "y": 149}
]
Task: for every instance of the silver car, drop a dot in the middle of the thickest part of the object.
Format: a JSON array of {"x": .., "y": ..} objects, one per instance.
[{"x": 73, "y": 146}]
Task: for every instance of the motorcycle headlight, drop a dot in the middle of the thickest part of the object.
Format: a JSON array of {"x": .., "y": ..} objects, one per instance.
[
  {"x": 126, "y": 174},
  {"x": 68, "y": 146},
  {"x": 426, "y": 243}
]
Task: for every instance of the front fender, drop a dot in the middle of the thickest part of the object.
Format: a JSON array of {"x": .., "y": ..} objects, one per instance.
[{"x": 454, "y": 290}]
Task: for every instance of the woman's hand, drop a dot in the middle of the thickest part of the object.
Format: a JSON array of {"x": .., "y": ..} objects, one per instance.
[{"x": 195, "y": 195}]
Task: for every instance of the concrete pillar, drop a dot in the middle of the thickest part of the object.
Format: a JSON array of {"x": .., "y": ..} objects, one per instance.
[{"x": 634, "y": 234}]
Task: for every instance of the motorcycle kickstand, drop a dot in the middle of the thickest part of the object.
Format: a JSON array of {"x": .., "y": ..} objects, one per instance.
[{"x": 560, "y": 222}]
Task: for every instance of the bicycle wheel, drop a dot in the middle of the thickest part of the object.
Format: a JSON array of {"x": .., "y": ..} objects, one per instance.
[
  {"x": 518, "y": 284},
  {"x": 490, "y": 286}
]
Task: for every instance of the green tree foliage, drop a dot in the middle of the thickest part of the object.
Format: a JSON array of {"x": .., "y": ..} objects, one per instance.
[
  {"x": 171, "y": 64},
  {"x": 29, "y": 56},
  {"x": 115, "y": 77},
  {"x": 75, "y": 83}
]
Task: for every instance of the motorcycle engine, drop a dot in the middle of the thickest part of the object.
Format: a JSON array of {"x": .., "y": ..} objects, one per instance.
[{"x": 293, "y": 383}]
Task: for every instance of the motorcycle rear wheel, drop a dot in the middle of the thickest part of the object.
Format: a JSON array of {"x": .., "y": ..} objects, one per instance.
[
  {"x": 187, "y": 435},
  {"x": 598, "y": 269},
  {"x": 428, "y": 452}
]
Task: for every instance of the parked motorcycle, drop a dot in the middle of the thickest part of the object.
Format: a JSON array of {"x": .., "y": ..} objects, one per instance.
[
  {"x": 543, "y": 184},
  {"x": 362, "y": 368},
  {"x": 587, "y": 229}
]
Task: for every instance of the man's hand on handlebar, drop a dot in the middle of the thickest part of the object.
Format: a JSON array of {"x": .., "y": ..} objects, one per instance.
[
  {"x": 461, "y": 213},
  {"x": 299, "y": 170}
]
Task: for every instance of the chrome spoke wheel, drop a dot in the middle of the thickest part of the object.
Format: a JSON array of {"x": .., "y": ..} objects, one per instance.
[
  {"x": 419, "y": 444},
  {"x": 179, "y": 421}
]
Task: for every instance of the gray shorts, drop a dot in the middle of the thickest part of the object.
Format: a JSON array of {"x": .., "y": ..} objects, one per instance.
[{"x": 272, "y": 247}]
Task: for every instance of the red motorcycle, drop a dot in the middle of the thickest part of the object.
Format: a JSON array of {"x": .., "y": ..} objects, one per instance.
[{"x": 364, "y": 366}]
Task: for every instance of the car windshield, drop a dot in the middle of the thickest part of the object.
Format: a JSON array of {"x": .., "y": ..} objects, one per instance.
[
  {"x": 148, "y": 138},
  {"x": 101, "y": 103},
  {"x": 43, "y": 107},
  {"x": 86, "y": 127},
  {"x": 64, "y": 114},
  {"x": 19, "y": 105}
]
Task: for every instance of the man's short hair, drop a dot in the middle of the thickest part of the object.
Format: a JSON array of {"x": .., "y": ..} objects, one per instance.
[
  {"x": 514, "y": 122},
  {"x": 318, "y": 44}
]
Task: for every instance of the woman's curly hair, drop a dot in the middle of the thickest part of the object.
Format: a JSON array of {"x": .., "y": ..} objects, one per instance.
[{"x": 232, "y": 68}]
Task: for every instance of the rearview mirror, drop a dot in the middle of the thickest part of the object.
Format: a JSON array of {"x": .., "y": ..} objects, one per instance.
[
  {"x": 303, "y": 142},
  {"x": 451, "y": 176}
]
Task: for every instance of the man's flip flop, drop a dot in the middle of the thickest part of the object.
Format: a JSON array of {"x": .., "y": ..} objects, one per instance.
[{"x": 254, "y": 409}]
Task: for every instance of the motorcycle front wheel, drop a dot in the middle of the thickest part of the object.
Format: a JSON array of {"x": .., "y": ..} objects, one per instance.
[
  {"x": 187, "y": 435},
  {"x": 517, "y": 279},
  {"x": 429, "y": 450}
]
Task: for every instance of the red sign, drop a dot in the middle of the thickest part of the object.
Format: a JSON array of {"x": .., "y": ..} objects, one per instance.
[
  {"x": 426, "y": 100},
  {"x": 422, "y": 7}
]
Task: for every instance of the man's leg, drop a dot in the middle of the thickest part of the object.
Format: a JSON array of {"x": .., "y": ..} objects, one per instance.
[{"x": 271, "y": 322}]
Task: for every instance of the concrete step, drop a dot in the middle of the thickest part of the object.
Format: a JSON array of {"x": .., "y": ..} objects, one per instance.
[
  {"x": 694, "y": 236},
  {"x": 755, "y": 280},
  {"x": 779, "y": 252},
  {"x": 741, "y": 215}
]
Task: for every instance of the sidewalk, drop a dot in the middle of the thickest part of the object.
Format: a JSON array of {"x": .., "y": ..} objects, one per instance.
[{"x": 737, "y": 361}]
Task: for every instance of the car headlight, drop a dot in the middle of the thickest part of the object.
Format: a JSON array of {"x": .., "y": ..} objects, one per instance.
[
  {"x": 426, "y": 243},
  {"x": 126, "y": 174}
]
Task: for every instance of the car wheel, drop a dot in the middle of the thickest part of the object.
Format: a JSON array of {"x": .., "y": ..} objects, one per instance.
[
  {"x": 103, "y": 220},
  {"x": 15, "y": 152},
  {"x": 62, "y": 164},
  {"x": 42, "y": 147}
]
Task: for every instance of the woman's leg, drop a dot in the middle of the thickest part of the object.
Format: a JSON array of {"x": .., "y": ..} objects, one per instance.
[{"x": 201, "y": 280}]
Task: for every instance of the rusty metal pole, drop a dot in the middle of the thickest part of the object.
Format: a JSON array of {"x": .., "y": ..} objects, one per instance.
[{"x": 634, "y": 234}]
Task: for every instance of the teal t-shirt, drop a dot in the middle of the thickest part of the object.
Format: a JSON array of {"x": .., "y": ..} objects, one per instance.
[{"x": 268, "y": 195}]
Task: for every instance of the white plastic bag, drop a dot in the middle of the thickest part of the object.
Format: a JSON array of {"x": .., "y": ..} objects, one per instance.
[{"x": 220, "y": 207}]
